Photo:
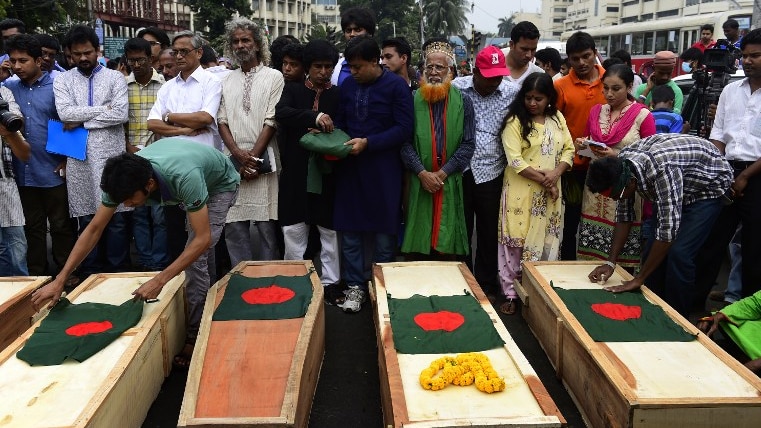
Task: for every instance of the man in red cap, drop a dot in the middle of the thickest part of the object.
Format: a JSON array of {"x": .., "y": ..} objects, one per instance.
[{"x": 482, "y": 182}]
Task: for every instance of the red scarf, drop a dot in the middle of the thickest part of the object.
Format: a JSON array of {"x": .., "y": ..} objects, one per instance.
[{"x": 619, "y": 130}]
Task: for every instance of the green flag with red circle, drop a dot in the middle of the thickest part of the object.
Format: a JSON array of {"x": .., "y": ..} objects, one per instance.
[
  {"x": 264, "y": 298},
  {"x": 441, "y": 324},
  {"x": 621, "y": 317},
  {"x": 78, "y": 331}
]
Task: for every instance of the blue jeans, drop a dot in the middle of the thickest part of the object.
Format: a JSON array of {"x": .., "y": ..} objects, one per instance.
[
  {"x": 381, "y": 248},
  {"x": 13, "y": 251},
  {"x": 149, "y": 230},
  {"x": 111, "y": 254},
  {"x": 674, "y": 279},
  {"x": 735, "y": 280}
]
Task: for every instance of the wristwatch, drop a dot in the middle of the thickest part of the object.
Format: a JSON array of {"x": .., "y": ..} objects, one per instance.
[
  {"x": 609, "y": 263},
  {"x": 641, "y": 97},
  {"x": 166, "y": 117}
]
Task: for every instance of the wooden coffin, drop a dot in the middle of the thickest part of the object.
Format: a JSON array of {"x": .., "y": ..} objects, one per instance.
[
  {"x": 16, "y": 310},
  {"x": 636, "y": 384},
  {"x": 256, "y": 373},
  {"x": 525, "y": 402},
  {"x": 113, "y": 388}
]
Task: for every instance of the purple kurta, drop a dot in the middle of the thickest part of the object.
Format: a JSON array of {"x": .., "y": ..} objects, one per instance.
[{"x": 369, "y": 186}]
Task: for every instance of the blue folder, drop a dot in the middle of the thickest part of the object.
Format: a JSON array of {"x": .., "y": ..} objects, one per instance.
[{"x": 71, "y": 143}]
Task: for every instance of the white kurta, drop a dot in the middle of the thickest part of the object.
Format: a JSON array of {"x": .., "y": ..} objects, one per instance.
[{"x": 257, "y": 198}]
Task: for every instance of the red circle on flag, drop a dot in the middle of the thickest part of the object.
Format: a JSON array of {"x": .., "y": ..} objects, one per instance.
[
  {"x": 267, "y": 295},
  {"x": 441, "y": 320},
  {"x": 617, "y": 311},
  {"x": 85, "y": 328}
]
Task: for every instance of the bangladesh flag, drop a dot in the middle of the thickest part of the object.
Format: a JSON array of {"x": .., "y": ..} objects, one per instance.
[
  {"x": 78, "y": 331},
  {"x": 621, "y": 317},
  {"x": 264, "y": 298},
  {"x": 441, "y": 325}
]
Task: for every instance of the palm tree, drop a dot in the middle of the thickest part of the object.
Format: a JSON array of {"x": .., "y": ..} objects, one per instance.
[
  {"x": 505, "y": 26},
  {"x": 446, "y": 17}
]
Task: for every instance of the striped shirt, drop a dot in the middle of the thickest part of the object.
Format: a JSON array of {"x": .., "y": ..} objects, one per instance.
[
  {"x": 488, "y": 160},
  {"x": 674, "y": 170},
  {"x": 11, "y": 213},
  {"x": 667, "y": 122},
  {"x": 141, "y": 99}
]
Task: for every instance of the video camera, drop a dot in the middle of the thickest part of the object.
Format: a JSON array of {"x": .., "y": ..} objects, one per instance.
[{"x": 722, "y": 58}]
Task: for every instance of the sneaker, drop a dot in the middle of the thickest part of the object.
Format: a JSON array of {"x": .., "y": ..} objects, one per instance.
[
  {"x": 355, "y": 297},
  {"x": 334, "y": 294}
]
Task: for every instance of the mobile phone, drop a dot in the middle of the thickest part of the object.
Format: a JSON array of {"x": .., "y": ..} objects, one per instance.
[{"x": 596, "y": 144}]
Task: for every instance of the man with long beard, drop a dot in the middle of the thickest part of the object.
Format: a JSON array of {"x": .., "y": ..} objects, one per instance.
[
  {"x": 444, "y": 142},
  {"x": 247, "y": 126}
]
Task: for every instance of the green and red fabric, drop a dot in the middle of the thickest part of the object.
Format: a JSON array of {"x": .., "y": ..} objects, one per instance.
[
  {"x": 437, "y": 220},
  {"x": 441, "y": 324},
  {"x": 264, "y": 298},
  {"x": 746, "y": 313},
  {"x": 621, "y": 317},
  {"x": 78, "y": 331}
]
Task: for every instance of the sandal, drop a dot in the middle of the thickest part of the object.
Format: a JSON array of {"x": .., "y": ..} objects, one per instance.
[
  {"x": 508, "y": 306},
  {"x": 181, "y": 361}
]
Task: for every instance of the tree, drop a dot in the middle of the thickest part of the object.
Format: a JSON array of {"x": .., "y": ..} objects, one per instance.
[
  {"x": 213, "y": 14},
  {"x": 445, "y": 17},
  {"x": 402, "y": 14},
  {"x": 505, "y": 26},
  {"x": 49, "y": 16}
]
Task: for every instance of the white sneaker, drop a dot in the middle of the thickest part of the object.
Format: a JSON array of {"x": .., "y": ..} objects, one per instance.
[{"x": 355, "y": 297}]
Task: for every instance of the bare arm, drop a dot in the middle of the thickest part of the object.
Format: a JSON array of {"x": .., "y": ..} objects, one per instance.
[
  {"x": 19, "y": 146},
  {"x": 195, "y": 120}
]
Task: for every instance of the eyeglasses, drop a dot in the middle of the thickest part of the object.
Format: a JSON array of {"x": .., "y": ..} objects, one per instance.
[
  {"x": 137, "y": 61},
  {"x": 430, "y": 68},
  {"x": 181, "y": 52},
  {"x": 154, "y": 43}
]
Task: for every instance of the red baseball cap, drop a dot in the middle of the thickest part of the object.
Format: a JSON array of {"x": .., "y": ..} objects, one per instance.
[{"x": 491, "y": 62}]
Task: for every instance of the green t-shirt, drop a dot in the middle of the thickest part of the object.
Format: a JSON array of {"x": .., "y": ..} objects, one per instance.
[
  {"x": 187, "y": 173},
  {"x": 678, "y": 97}
]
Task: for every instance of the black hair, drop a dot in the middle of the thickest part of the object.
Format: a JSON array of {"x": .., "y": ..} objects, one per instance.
[
  {"x": 24, "y": 43},
  {"x": 277, "y": 50},
  {"x": 662, "y": 94},
  {"x": 623, "y": 55},
  {"x": 752, "y": 38},
  {"x": 708, "y": 27},
  {"x": 319, "y": 50},
  {"x": 156, "y": 32},
  {"x": 361, "y": 17},
  {"x": 8, "y": 23},
  {"x": 692, "y": 54},
  {"x": 623, "y": 72},
  {"x": 124, "y": 175},
  {"x": 401, "y": 45},
  {"x": 293, "y": 51},
  {"x": 208, "y": 54},
  {"x": 137, "y": 44},
  {"x": 604, "y": 173},
  {"x": 579, "y": 42},
  {"x": 731, "y": 23},
  {"x": 112, "y": 64},
  {"x": 525, "y": 29},
  {"x": 362, "y": 47},
  {"x": 610, "y": 62},
  {"x": 549, "y": 56},
  {"x": 542, "y": 83},
  {"x": 48, "y": 41},
  {"x": 79, "y": 34}
]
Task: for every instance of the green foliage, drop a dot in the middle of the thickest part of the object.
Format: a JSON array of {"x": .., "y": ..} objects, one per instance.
[
  {"x": 402, "y": 14},
  {"x": 47, "y": 16},
  {"x": 446, "y": 17},
  {"x": 505, "y": 26},
  {"x": 213, "y": 14}
]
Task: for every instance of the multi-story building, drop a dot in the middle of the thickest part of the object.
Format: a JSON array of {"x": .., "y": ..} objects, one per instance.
[
  {"x": 284, "y": 16},
  {"x": 122, "y": 18},
  {"x": 554, "y": 13},
  {"x": 327, "y": 12}
]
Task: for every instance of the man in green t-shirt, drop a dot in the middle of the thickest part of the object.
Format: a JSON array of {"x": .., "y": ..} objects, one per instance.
[{"x": 171, "y": 171}]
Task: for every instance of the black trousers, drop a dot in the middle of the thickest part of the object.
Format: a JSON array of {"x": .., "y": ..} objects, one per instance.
[{"x": 481, "y": 203}]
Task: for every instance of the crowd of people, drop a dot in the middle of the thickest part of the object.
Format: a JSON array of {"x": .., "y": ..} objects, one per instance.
[{"x": 297, "y": 151}]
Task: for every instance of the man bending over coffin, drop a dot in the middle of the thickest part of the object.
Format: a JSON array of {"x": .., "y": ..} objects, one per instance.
[
  {"x": 198, "y": 178},
  {"x": 685, "y": 177}
]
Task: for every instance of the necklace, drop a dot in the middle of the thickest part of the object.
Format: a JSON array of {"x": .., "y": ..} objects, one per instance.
[{"x": 612, "y": 122}]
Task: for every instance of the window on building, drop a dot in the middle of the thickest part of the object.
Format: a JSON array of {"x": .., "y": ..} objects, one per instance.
[
  {"x": 268, "y": 4},
  {"x": 630, "y": 2},
  {"x": 665, "y": 13},
  {"x": 558, "y": 20},
  {"x": 280, "y": 8},
  {"x": 290, "y": 8},
  {"x": 646, "y": 17},
  {"x": 626, "y": 19},
  {"x": 326, "y": 2},
  {"x": 561, "y": 9},
  {"x": 557, "y": 33},
  {"x": 612, "y": 9}
]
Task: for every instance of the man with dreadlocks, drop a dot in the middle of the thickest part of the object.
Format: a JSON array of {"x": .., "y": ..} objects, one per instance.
[
  {"x": 441, "y": 150},
  {"x": 247, "y": 126},
  {"x": 685, "y": 178}
]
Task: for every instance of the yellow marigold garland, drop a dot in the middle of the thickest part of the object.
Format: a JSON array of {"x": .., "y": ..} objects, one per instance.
[{"x": 462, "y": 370}]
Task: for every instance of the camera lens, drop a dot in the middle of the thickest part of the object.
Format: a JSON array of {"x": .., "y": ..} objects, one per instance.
[{"x": 11, "y": 122}]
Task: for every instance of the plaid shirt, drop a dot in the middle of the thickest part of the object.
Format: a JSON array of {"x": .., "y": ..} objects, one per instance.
[
  {"x": 141, "y": 99},
  {"x": 488, "y": 160},
  {"x": 674, "y": 170}
]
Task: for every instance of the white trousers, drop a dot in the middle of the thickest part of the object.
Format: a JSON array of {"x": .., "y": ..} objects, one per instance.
[{"x": 296, "y": 239}]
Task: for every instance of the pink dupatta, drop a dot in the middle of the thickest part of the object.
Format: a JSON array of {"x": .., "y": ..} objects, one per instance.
[{"x": 619, "y": 129}]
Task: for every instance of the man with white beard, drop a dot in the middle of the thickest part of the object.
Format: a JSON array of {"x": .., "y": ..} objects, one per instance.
[{"x": 444, "y": 141}]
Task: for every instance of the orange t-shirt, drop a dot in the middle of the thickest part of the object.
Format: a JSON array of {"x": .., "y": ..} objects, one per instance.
[{"x": 575, "y": 99}]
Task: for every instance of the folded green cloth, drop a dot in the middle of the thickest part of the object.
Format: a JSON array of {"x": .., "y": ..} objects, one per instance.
[{"x": 323, "y": 143}]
